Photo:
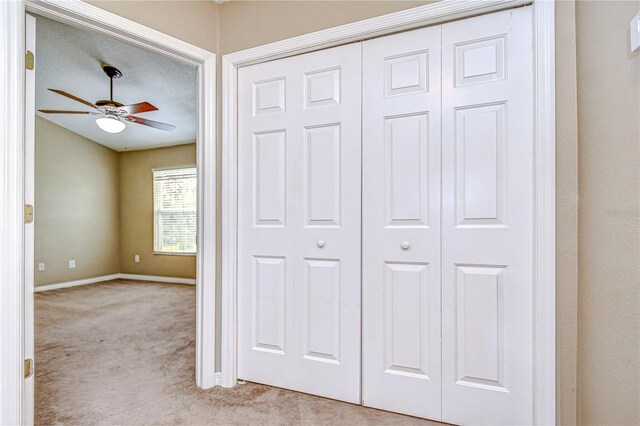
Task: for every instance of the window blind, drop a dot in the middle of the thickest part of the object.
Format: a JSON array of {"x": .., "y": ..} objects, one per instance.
[{"x": 175, "y": 200}]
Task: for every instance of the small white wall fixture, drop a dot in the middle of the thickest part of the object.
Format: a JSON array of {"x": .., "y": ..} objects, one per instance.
[
  {"x": 634, "y": 33},
  {"x": 544, "y": 160},
  {"x": 12, "y": 140}
]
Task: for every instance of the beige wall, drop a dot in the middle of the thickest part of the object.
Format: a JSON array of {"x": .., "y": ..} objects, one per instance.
[
  {"x": 95, "y": 206},
  {"x": 76, "y": 206},
  {"x": 608, "y": 267},
  {"x": 193, "y": 21},
  {"x": 609, "y": 219},
  {"x": 270, "y": 21},
  {"x": 136, "y": 212}
]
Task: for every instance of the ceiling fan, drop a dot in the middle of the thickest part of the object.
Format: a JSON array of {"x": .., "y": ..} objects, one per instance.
[{"x": 113, "y": 114}]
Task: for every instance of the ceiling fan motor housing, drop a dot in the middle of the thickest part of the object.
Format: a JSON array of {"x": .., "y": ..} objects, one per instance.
[
  {"x": 111, "y": 71},
  {"x": 107, "y": 104}
]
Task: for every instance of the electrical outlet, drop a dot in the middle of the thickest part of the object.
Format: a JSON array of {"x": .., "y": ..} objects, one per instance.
[
  {"x": 136, "y": 258},
  {"x": 40, "y": 267},
  {"x": 72, "y": 264}
]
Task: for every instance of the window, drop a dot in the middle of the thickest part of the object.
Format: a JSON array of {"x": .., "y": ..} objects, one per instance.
[{"x": 174, "y": 210}]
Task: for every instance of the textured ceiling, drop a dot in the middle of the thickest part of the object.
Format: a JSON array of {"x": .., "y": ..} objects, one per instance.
[{"x": 69, "y": 59}]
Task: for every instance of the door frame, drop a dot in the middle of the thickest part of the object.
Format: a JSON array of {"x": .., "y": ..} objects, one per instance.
[
  {"x": 544, "y": 404},
  {"x": 12, "y": 142}
]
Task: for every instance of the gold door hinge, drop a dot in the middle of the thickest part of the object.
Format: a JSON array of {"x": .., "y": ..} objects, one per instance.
[
  {"x": 29, "y": 60},
  {"x": 28, "y": 213},
  {"x": 28, "y": 368}
]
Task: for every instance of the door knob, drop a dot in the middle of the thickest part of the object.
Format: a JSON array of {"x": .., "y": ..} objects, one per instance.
[
  {"x": 405, "y": 245},
  {"x": 320, "y": 243}
]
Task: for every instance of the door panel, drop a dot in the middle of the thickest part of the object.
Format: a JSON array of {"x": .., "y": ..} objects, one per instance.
[
  {"x": 268, "y": 304},
  {"x": 322, "y": 175},
  {"x": 479, "y": 325},
  {"x": 321, "y": 310},
  {"x": 406, "y": 303},
  {"x": 407, "y": 181},
  {"x": 479, "y": 143},
  {"x": 269, "y": 178},
  {"x": 299, "y": 223},
  {"x": 487, "y": 222},
  {"x": 401, "y": 223}
]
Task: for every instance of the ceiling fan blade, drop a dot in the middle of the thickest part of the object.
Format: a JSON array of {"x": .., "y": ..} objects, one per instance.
[
  {"x": 75, "y": 98},
  {"x": 138, "y": 108},
  {"x": 150, "y": 123},
  {"x": 57, "y": 111}
]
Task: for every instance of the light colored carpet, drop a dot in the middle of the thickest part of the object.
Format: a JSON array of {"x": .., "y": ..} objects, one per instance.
[{"x": 123, "y": 353}]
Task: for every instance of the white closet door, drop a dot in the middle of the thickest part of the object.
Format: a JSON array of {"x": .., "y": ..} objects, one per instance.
[
  {"x": 487, "y": 219},
  {"x": 401, "y": 223},
  {"x": 299, "y": 223}
]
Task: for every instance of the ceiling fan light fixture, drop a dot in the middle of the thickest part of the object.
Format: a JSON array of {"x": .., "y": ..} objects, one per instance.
[{"x": 110, "y": 124}]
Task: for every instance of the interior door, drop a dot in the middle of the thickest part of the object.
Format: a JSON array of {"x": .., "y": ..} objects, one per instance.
[
  {"x": 299, "y": 223},
  {"x": 29, "y": 234},
  {"x": 401, "y": 223},
  {"x": 487, "y": 219},
  {"x": 447, "y": 221}
]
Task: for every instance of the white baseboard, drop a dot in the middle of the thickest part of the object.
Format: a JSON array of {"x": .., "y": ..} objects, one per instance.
[
  {"x": 83, "y": 281},
  {"x": 102, "y": 278},
  {"x": 174, "y": 280}
]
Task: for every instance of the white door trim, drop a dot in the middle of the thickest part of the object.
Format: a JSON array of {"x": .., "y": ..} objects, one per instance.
[
  {"x": 12, "y": 103},
  {"x": 544, "y": 315},
  {"x": 12, "y": 85},
  {"x": 544, "y": 75}
]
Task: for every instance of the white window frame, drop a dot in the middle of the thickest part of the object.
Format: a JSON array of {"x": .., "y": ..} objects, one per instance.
[{"x": 155, "y": 222}]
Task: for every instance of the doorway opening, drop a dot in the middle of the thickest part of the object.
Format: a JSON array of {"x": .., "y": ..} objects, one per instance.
[
  {"x": 116, "y": 201},
  {"x": 19, "y": 326}
]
